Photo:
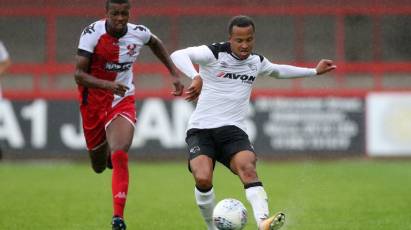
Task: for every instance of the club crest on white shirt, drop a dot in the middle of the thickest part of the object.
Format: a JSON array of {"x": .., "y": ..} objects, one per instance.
[{"x": 252, "y": 67}]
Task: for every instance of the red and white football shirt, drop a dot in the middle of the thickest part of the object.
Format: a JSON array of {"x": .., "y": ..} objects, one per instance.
[{"x": 112, "y": 59}]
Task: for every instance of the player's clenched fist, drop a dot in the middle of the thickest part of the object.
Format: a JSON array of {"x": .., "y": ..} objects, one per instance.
[
  {"x": 117, "y": 88},
  {"x": 325, "y": 66}
]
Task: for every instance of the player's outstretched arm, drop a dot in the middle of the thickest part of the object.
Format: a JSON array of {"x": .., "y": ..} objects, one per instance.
[
  {"x": 289, "y": 71},
  {"x": 325, "y": 66},
  {"x": 87, "y": 80},
  {"x": 158, "y": 48}
]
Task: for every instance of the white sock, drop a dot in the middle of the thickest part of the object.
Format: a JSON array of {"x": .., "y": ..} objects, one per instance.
[
  {"x": 206, "y": 203},
  {"x": 259, "y": 202}
]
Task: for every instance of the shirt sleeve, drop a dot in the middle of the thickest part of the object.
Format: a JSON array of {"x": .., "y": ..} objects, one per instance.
[
  {"x": 4, "y": 55},
  {"x": 88, "y": 39},
  {"x": 144, "y": 33},
  {"x": 185, "y": 58},
  {"x": 285, "y": 71}
]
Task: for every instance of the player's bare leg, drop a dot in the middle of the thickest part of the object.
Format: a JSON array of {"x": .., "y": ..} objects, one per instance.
[
  {"x": 119, "y": 137},
  {"x": 244, "y": 165},
  {"x": 98, "y": 157},
  {"x": 202, "y": 170}
]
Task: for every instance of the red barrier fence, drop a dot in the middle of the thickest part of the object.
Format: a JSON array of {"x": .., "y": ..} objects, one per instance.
[{"x": 375, "y": 68}]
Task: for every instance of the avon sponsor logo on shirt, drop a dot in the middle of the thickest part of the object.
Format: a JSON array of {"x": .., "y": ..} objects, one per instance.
[{"x": 242, "y": 77}]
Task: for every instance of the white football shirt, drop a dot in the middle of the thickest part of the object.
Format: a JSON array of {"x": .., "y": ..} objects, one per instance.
[{"x": 227, "y": 82}]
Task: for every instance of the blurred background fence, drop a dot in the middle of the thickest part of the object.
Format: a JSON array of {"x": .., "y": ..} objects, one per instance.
[{"x": 369, "y": 41}]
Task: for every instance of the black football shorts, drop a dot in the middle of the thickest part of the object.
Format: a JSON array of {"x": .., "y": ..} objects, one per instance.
[{"x": 220, "y": 144}]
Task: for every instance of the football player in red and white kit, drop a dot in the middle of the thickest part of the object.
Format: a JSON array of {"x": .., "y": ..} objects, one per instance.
[{"x": 106, "y": 52}]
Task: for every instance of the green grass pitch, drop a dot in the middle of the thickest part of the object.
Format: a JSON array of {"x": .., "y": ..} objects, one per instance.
[{"x": 345, "y": 194}]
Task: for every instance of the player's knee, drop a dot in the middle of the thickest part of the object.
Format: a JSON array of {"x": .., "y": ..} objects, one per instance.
[
  {"x": 247, "y": 172},
  {"x": 203, "y": 181}
]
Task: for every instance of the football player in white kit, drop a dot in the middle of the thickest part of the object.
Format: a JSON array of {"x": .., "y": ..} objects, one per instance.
[
  {"x": 216, "y": 129},
  {"x": 4, "y": 65}
]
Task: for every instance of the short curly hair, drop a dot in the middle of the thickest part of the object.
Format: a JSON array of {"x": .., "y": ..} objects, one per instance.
[{"x": 240, "y": 21}]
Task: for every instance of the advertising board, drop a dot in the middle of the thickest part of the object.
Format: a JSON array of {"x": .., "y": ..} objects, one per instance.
[{"x": 275, "y": 125}]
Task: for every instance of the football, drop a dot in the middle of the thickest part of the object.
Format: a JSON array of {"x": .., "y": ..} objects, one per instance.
[{"x": 230, "y": 214}]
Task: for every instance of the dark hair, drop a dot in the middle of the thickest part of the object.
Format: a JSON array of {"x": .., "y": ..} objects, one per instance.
[
  {"x": 240, "y": 21},
  {"x": 116, "y": 1}
]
